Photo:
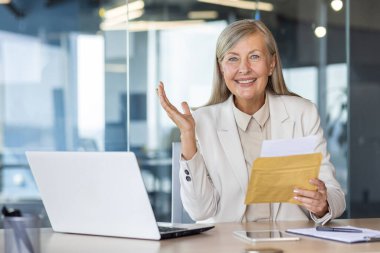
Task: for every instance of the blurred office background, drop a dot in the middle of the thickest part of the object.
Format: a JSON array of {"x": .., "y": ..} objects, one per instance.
[{"x": 81, "y": 75}]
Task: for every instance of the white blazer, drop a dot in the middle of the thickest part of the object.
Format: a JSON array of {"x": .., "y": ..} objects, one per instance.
[{"x": 214, "y": 182}]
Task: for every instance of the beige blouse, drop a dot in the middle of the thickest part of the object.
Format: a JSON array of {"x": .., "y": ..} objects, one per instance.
[{"x": 253, "y": 130}]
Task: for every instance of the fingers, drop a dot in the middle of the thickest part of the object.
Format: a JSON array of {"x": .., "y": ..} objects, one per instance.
[
  {"x": 161, "y": 94},
  {"x": 306, "y": 200},
  {"x": 184, "y": 121},
  {"x": 321, "y": 189},
  {"x": 185, "y": 108},
  {"x": 317, "y": 206},
  {"x": 314, "y": 201},
  {"x": 164, "y": 101},
  {"x": 319, "y": 183}
]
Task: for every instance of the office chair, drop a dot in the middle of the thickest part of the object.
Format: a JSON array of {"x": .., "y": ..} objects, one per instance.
[{"x": 179, "y": 215}]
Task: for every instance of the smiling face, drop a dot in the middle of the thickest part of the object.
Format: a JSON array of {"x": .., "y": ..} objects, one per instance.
[{"x": 246, "y": 68}]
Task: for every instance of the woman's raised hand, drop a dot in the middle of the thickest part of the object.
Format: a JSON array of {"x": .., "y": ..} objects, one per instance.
[{"x": 184, "y": 121}]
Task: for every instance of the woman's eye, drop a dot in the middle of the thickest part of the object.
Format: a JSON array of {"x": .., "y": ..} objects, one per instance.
[
  {"x": 232, "y": 59},
  {"x": 255, "y": 57}
]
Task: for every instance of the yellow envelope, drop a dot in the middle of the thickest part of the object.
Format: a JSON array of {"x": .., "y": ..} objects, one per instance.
[{"x": 274, "y": 178}]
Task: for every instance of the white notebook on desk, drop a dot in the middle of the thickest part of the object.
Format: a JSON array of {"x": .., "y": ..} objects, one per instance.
[{"x": 367, "y": 235}]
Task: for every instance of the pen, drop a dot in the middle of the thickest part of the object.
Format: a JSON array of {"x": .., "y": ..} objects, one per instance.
[
  {"x": 332, "y": 229},
  {"x": 372, "y": 239}
]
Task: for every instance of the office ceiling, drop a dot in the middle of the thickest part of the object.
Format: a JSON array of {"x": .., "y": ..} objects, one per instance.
[
  {"x": 365, "y": 14},
  {"x": 297, "y": 10}
]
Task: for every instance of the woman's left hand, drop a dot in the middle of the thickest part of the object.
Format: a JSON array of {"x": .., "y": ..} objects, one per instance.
[{"x": 314, "y": 201}]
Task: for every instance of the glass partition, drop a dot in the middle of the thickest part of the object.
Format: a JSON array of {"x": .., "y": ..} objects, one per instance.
[
  {"x": 364, "y": 120},
  {"x": 53, "y": 93},
  {"x": 82, "y": 75}
]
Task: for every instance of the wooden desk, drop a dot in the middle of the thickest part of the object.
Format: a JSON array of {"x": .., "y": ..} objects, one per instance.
[{"x": 220, "y": 240}]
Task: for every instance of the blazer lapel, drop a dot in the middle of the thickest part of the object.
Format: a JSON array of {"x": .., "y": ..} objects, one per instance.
[
  {"x": 282, "y": 127},
  {"x": 230, "y": 141}
]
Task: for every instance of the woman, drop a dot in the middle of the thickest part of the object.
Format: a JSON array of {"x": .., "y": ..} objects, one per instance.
[{"x": 249, "y": 103}]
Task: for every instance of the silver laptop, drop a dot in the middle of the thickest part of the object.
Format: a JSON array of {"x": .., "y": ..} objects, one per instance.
[{"x": 99, "y": 193}]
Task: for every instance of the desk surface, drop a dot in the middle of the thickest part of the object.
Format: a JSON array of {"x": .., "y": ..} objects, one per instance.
[{"x": 220, "y": 239}]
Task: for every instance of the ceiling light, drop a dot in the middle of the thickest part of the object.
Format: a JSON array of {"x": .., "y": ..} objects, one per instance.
[
  {"x": 336, "y": 5},
  {"x": 120, "y": 15},
  {"x": 248, "y": 5},
  {"x": 320, "y": 31},
  {"x": 5, "y": 1},
  {"x": 139, "y": 26},
  {"x": 202, "y": 15},
  {"x": 122, "y": 10},
  {"x": 122, "y": 18}
]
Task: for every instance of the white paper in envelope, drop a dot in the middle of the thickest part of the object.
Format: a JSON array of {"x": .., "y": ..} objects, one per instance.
[{"x": 285, "y": 147}]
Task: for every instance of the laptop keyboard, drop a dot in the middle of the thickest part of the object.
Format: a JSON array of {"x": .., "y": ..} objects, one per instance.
[{"x": 169, "y": 229}]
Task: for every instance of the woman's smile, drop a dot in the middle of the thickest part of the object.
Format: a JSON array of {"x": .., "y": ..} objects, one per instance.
[{"x": 245, "y": 83}]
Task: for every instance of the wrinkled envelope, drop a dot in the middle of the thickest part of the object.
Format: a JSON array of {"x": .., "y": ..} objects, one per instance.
[{"x": 274, "y": 178}]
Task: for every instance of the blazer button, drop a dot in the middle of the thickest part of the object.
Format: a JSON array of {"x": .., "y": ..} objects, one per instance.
[
  {"x": 188, "y": 179},
  {"x": 187, "y": 172}
]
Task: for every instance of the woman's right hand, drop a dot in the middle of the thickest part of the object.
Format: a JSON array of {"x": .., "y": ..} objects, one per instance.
[{"x": 184, "y": 121}]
